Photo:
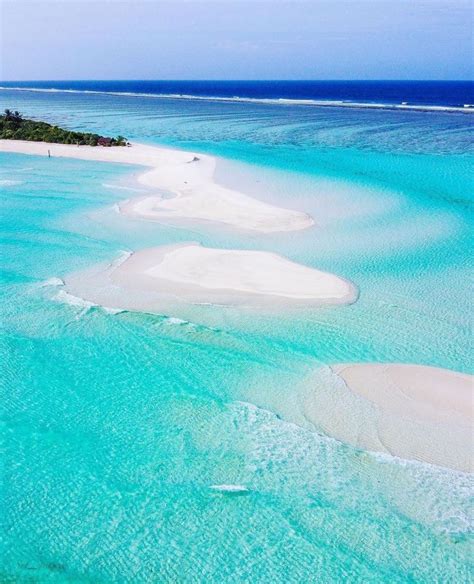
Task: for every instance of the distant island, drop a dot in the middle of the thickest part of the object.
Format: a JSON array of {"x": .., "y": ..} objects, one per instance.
[{"x": 13, "y": 126}]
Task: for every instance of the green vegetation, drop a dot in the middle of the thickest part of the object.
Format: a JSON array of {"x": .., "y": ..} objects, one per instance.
[{"x": 14, "y": 127}]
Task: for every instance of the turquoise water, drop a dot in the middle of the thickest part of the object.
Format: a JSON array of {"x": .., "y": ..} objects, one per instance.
[{"x": 116, "y": 425}]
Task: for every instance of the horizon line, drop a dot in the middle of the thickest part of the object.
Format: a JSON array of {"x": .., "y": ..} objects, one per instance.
[{"x": 246, "y": 80}]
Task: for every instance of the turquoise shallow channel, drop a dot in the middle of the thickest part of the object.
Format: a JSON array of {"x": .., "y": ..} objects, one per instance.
[{"x": 117, "y": 425}]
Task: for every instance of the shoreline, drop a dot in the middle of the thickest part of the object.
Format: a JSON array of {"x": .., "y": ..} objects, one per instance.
[
  {"x": 188, "y": 176},
  {"x": 412, "y": 412}
]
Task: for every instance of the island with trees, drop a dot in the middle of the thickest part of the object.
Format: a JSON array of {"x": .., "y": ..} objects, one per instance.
[{"x": 13, "y": 126}]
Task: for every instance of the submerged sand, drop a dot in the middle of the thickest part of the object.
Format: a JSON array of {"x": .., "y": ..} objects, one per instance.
[
  {"x": 413, "y": 412},
  {"x": 409, "y": 411},
  {"x": 188, "y": 176},
  {"x": 190, "y": 273}
]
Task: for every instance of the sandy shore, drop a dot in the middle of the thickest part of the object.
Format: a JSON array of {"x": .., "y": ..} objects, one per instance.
[
  {"x": 188, "y": 176},
  {"x": 410, "y": 411},
  {"x": 148, "y": 279}
]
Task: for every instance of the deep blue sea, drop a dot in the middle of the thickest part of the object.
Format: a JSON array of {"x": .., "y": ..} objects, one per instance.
[
  {"x": 421, "y": 93},
  {"x": 117, "y": 425}
]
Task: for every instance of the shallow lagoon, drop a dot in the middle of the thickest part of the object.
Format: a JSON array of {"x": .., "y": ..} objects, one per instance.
[{"x": 117, "y": 425}]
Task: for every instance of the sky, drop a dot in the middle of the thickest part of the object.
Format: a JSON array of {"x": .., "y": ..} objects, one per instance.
[{"x": 235, "y": 39}]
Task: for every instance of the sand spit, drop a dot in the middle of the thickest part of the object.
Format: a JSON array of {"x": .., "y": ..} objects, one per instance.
[{"x": 188, "y": 176}]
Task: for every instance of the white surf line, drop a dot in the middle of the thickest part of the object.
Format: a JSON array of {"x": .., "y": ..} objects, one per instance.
[
  {"x": 188, "y": 176},
  {"x": 466, "y": 108}
]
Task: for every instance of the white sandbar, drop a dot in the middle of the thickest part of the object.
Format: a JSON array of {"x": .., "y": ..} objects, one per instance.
[
  {"x": 188, "y": 176},
  {"x": 413, "y": 412},
  {"x": 197, "y": 275}
]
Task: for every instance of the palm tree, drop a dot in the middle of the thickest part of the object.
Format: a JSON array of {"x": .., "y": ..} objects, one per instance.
[{"x": 14, "y": 117}]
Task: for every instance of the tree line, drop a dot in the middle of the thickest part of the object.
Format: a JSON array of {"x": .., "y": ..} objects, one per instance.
[{"x": 13, "y": 126}]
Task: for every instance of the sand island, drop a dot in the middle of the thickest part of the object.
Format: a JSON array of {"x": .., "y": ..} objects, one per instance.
[
  {"x": 414, "y": 412},
  {"x": 190, "y": 273}
]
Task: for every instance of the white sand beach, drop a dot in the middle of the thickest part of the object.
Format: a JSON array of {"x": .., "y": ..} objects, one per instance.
[
  {"x": 188, "y": 176},
  {"x": 413, "y": 412},
  {"x": 193, "y": 274}
]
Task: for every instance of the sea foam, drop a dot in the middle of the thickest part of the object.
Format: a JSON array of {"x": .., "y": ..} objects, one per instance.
[
  {"x": 53, "y": 282},
  {"x": 230, "y": 488},
  {"x": 76, "y": 301}
]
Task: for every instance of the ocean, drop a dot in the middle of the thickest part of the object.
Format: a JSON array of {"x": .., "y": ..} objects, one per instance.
[
  {"x": 117, "y": 425},
  {"x": 389, "y": 93}
]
